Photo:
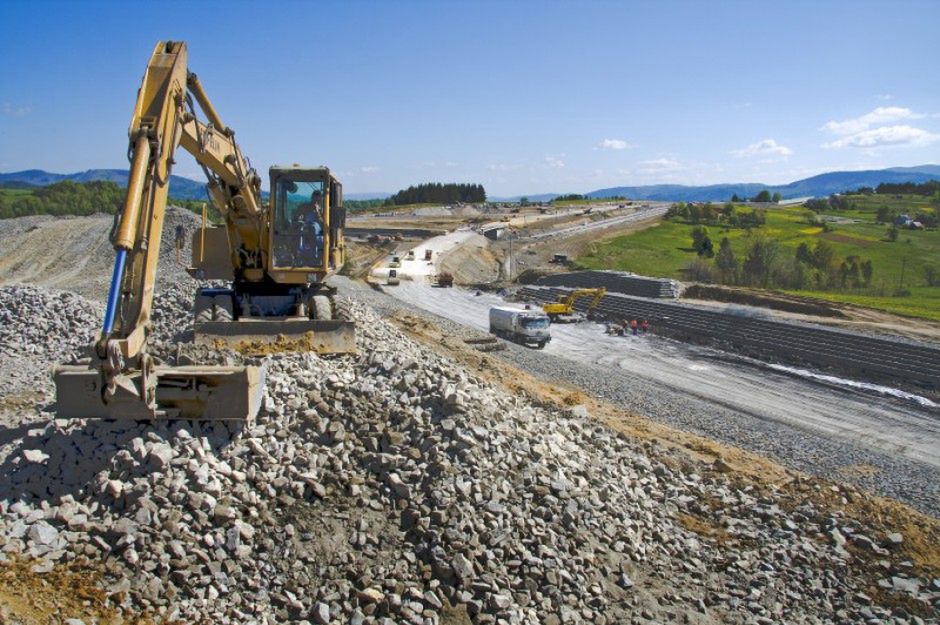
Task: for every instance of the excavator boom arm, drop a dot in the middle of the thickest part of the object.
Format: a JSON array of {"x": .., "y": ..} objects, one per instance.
[
  {"x": 160, "y": 123},
  {"x": 122, "y": 379}
]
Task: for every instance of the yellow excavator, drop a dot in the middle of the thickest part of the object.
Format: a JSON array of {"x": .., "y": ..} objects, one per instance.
[
  {"x": 563, "y": 310},
  {"x": 275, "y": 256}
]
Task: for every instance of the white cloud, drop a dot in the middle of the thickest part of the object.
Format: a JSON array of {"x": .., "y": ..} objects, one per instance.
[
  {"x": 659, "y": 165},
  {"x": 369, "y": 169},
  {"x": 881, "y": 115},
  {"x": 502, "y": 167},
  {"x": 554, "y": 161},
  {"x": 613, "y": 144},
  {"x": 16, "y": 111},
  {"x": 767, "y": 147},
  {"x": 886, "y": 136}
]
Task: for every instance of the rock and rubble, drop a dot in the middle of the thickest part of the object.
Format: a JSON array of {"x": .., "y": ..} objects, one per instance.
[{"x": 396, "y": 486}]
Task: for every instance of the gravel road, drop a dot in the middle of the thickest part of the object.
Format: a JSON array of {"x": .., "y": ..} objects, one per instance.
[{"x": 886, "y": 445}]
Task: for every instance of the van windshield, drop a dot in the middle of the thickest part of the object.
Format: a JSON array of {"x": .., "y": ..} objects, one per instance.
[{"x": 535, "y": 323}]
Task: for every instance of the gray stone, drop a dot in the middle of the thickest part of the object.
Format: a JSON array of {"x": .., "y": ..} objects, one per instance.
[
  {"x": 35, "y": 455},
  {"x": 321, "y": 613},
  {"x": 41, "y": 533}
]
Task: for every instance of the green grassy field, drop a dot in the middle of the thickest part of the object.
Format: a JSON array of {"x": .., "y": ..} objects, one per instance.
[
  {"x": 15, "y": 193},
  {"x": 664, "y": 250}
]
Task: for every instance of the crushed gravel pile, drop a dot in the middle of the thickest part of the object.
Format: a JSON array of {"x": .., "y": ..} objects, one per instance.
[
  {"x": 395, "y": 486},
  {"x": 38, "y": 328}
]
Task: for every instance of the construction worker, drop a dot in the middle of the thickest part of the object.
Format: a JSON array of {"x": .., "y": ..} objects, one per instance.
[
  {"x": 633, "y": 326},
  {"x": 645, "y": 326},
  {"x": 180, "y": 241}
]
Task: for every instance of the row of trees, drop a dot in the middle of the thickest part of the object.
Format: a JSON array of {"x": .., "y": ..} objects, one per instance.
[
  {"x": 764, "y": 196},
  {"x": 64, "y": 198},
  {"x": 833, "y": 202},
  {"x": 931, "y": 187},
  {"x": 437, "y": 193},
  {"x": 710, "y": 214},
  {"x": 765, "y": 264}
]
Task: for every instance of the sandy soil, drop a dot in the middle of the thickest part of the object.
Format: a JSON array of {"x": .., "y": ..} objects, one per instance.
[
  {"x": 81, "y": 261},
  {"x": 74, "y": 253}
]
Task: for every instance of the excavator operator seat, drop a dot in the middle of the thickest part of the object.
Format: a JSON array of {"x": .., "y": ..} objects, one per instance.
[{"x": 298, "y": 223}]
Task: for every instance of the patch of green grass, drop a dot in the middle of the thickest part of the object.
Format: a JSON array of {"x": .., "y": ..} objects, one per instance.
[
  {"x": 15, "y": 193},
  {"x": 923, "y": 301},
  {"x": 911, "y": 204},
  {"x": 664, "y": 250}
]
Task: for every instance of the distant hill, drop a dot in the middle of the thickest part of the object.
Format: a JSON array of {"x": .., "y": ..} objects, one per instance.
[
  {"x": 180, "y": 188},
  {"x": 821, "y": 185},
  {"x": 361, "y": 197},
  {"x": 535, "y": 197}
]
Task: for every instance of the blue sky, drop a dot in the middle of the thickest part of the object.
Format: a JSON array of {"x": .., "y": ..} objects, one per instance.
[{"x": 524, "y": 97}]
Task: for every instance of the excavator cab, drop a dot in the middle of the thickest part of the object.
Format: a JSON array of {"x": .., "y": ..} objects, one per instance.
[
  {"x": 281, "y": 298},
  {"x": 307, "y": 221},
  {"x": 298, "y": 229}
]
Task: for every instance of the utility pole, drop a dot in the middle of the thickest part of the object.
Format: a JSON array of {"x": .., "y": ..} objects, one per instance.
[{"x": 509, "y": 230}]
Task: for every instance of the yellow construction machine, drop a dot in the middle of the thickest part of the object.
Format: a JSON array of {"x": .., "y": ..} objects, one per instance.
[
  {"x": 563, "y": 310},
  {"x": 276, "y": 257}
]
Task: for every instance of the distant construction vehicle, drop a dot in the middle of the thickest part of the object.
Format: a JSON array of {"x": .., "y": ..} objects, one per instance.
[
  {"x": 445, "y": 279},
  {"x": 524, "y": 326},
  {"x": 563, "y": 310},
  {"x": 276, "y": 257}
]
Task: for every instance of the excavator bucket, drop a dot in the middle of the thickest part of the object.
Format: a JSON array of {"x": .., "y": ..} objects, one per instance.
[
  {"x": 192, "y": 392},
  {"x": 266, "y": 336}
]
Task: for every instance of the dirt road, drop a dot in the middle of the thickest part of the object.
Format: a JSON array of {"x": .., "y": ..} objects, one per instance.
[{"x": 864, "y": 417}]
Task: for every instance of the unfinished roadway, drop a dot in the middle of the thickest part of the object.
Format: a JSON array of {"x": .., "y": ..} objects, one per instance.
[{"x": 882, "y": 438}]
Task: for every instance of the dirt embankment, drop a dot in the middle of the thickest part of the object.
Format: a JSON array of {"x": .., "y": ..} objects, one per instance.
[
  {"x": 74, "y": 253},
  {"x": 473, "y": 262}
]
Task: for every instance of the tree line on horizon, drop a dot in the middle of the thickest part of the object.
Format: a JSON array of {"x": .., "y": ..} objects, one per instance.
[{"x": 438, "y": 193}]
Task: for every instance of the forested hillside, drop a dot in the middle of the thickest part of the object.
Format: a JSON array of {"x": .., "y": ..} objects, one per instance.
[
  {"x": 62, "y": 198},
  {"x": 435, "y": 192},
  {"x": 71, "y": 198}
]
